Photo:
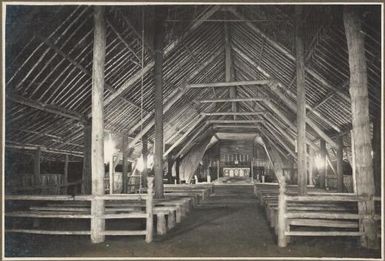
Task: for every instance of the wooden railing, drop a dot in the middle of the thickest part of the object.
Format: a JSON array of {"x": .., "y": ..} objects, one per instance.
[{"x": 148, "y": 214}]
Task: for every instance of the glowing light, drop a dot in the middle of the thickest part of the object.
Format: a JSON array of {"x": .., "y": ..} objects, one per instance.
[
  {"x": 319, "y": 162},
  {"x": 140, "y": 163}
]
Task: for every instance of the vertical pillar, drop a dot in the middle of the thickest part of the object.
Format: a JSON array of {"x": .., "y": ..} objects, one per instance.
[
  {"x": 111, "y": 168},
  {"x": 218, "y": 169},
  {"x": 36, "y": 167},
  {"x": 281, "y": 226},
  {"x": 311, "y": 166},
  {"x": 144, "y": 154},
  {"x": 340, "y": 164},
  {"x": 97, "y": 156},
  {"x": 377, "y": 152},
  {"x": 65, "y": 176},
  {"x": 360, "y": 122},
  {"x": 301, "y": 110},
  {"x": 158, "y": 80},
  {"x": 124, "y": 163},
  {"x": 170, "y": 162},
  {"x": 177, "y": 164},
  {"x": 324, "y": 166},
  {"x": 86, "y": 178},
  {"x": 229, "y": 76}
]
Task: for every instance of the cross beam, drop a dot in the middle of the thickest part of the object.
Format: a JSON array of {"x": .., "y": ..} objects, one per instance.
[
  {"x": 47, "y": 108},
  {"x": 227, "y": 84},
  {"x": 233, "y": 100},
  {"x": 233, "y": 121},
  {"x": 248, "y": 113}
]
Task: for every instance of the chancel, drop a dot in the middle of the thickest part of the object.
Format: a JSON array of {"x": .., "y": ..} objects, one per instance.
[{"x": 185, "y": 130}]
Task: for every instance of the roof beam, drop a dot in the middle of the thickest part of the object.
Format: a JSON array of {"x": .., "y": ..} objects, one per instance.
[
  {"x": 236, "y": 126},
  {"x": 233, "y": 121},
  {"x": 273, "y": 87},
  {"x": 108, "y": 86},
  {"x": 190, "y": 129},
  {"x": 289, "y": 55},
  {"x": 227, "y": 84},
  {"x": 287, "y": 90},
  {"x": 190, "y": 143},
  {"x": 127, "y": 84},
  {"x": 47, "y": 108},
  {"x": 20, "y": 146},
  {"x": 173, "y": 98},
  {"x": 248, "y": 113},
  {"x": 313, "y": 125},
  {"x": 282, "y": 142},
  {"x": 232, "y": 100}
]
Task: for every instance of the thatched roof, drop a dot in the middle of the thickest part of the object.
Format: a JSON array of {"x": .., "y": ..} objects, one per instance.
[{"x": 49, "y": 61}]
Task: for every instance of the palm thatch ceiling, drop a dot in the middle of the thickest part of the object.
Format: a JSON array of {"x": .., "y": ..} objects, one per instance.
[{"x": 49, "y": 62}]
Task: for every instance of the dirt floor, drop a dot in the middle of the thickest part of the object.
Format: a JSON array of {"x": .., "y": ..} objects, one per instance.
[{"x": 229, "y": 224}]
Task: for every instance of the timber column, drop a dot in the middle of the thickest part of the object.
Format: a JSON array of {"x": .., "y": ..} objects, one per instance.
[
  {"x": 124, "y": 163},
  {"x": 324, "y": 165},
  {"x": 361, "y": 128},
  {"x": 97, "y": 156},
  {"x": 160, "y": 13},
  {"x": 340, "y": 164},
  {"x": 36, "y": 167},
  {"x": 86, "y": 178},
  {"x": 301, "y": 110}
]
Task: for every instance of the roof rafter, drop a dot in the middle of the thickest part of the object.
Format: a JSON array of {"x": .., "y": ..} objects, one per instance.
[
  {"x": 127, "y": 84},
  {"x": 289, "y": 55},
  {"x": 47, "y": 108}
]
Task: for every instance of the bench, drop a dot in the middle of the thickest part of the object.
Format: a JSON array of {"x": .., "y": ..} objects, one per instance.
[{"x": 317, "y": 214}]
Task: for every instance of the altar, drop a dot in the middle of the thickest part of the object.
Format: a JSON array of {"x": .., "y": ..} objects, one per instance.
[{"x": 236, "y": 172}]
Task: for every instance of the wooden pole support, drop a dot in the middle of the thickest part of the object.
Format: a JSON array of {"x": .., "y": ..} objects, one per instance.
[
  {"x": 323, "y": 170},
  {"x": 65, "y": 176},
  {"x": 97, "y": 144},
  {"x": 158, "y": 103},
  {"x": 301, "y": 101},
  {"x": 281, "y": 226},
  {"x": 36, "y": 166},
  {"x": 86, "y": 175},
  {"x": 340, "y": 164},
  {"x": 149, "y": 210},
  {"x": 360, "y": 122},
  {"x": 125, "y": 163}
]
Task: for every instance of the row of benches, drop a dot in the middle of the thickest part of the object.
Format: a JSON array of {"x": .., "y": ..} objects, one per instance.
[
  {"x": 176, "y": 204},
  {"x": 316, "y": 214}
]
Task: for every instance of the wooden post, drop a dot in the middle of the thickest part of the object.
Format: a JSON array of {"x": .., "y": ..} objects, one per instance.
[
  {"x": 340, "y": 164},
  {"x": 86, "y": 176},
  {"x": 125, "y": 163},
  {"x": 36, "y": 167},
  {"x": 281, "y": 226},
  {"x": 353, "y": 162},
  {"x": 229, "y": 76},
  {"x": 361, "y": 125},
  {"x": 149, "y": 210},
  {"x": 158, "y": 103},
  {"x": 311, "y": 165},
  {"x": 97, "y": 157},
  {"x": 170, "y": 162},
  {"x": 252, "y": 170},
  {"x": 111, "y": 168},
  {"x": 177, "y": 163},
  {"x": 323, "y": 170},
  {"x": 144, "y": 155},
  {"x": 65, "y": 176},
  {"x": 377, "y": 152},
  {"x": 218, "y": 169},
  {"x": 301, "y": 102}
]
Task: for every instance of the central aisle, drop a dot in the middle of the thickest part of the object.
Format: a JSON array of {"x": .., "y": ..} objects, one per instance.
[{"x": 228, "y": 224}]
